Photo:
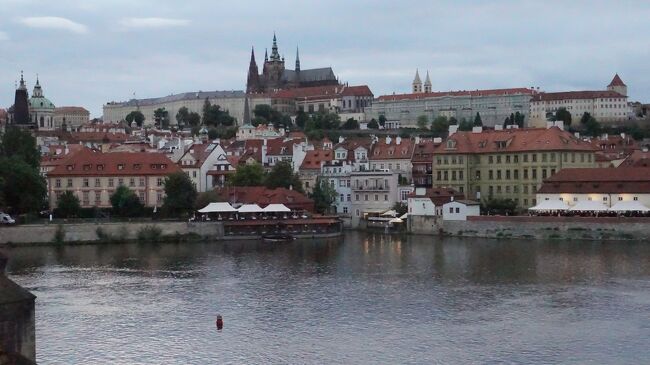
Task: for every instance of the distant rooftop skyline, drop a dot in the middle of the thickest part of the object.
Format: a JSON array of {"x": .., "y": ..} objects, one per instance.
[{"x": 90, "y": 53}]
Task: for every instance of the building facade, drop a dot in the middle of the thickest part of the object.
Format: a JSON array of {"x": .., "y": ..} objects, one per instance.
[
  {"x": 70, "y": 117},
  {"x": 93, "y": 177},
  {"x": 608, "y": 105},
  {"x": 507, "y": 164}
]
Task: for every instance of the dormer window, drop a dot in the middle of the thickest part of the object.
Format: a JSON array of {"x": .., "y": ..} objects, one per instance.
[
  {"x": 70, "y": 167},
  {"x": 163, "y": 166},
  {"x": 100, "y": 167},
  {"x": 451, "y": 143},
  {"x": 154, "y": 166},
  {"x": 120, "y": 166},
  {"x": 137, "y": 166},
  {"x": 87, "y": 167}
]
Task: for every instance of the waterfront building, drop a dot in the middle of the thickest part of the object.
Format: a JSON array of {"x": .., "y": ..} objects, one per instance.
[
  {"x": 422, "y": 161},
  {"x": 429, "y": 201},
  {"x": 93, "y": 177},
  {"x": 607, "y": 186},
  {"x": 493, "y": 105},
  {"x": 607, "y": 106},
  {"x": 459, "y": 210},
  {"x": 310, "y": 169},
  {"x": 263, "y": 196},
  {"x": 70, "y": 117},
  {"x": 507, "y": 163},
  {"x": 393, "y": 155},
  {"x": 374, "y": 192},
  {"x": 275, "y": 76}
]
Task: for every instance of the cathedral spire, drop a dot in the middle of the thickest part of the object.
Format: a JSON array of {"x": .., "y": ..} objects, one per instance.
[
  {"x": 275, "y": 56},
  {"x": 297, "y": 60},
  {"x": 22, "y": 82},
  {"x": 252, "y": 83},
  {"x": 266, "y": 55}
]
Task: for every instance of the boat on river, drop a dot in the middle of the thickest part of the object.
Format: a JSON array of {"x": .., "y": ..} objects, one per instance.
[{"x": 278, "y": 237}]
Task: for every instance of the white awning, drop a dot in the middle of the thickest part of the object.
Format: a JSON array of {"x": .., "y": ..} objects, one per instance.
[
  {"x": 629, "y": 206},
  {"x": 395, "y": 220},
  {"x": 250, "y": 208},
  {"x": 276, "y": 208},
  {"x": 548, "y": 205},
  {"x": 404, "y": 216},
  {"x": 374, "y": 210},
  {"x": 389, "y": 213},
  {"x": 218, "y": 208},
  {"x": 589, "y": 206}
]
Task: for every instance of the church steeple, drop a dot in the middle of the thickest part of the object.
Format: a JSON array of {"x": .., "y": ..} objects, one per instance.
[
  {"x": 417, "y": 83},
  {"x": 38, "y": 91},
  {"x": 22, "y": 82},
  {"x": 427, "y": 83},
  {"x": 266, "y": 55},
  {"x": 275, "y": 56},
  {"x": 297, "y": 60},
  {"x": 252, "y": 82}
]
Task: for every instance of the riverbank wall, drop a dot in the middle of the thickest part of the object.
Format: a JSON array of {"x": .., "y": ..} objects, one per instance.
[
  {"x": 533, "y": 227},
  {"x": 93, "y": 232}
]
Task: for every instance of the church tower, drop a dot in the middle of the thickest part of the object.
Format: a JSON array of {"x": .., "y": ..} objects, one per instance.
[
  {"x": 20, "y": 112},
  {"x": 253, "y": 81},
  {"x": 274, "y": 68},
  {"x": 427, "y": 84},
  {"x": 417, "y": 83},
  {"x": 617, "y": 85}
]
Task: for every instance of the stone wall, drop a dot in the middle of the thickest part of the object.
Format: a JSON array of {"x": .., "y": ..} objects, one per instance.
[
  {"x": 560, "y": 228},
  {"x": 87, "y": 232}
]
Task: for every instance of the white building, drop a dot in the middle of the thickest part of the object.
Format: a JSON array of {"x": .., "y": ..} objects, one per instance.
[
  {"x": 198, "y": 160},
  {"x": 429, "y": 202},
  {"x": 605, "y": 105},
  {"x": 459, "y": 210}
]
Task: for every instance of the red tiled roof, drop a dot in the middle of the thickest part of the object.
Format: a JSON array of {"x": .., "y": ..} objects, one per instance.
[
  {"x": 98, "y": 137},
  {"x": 515, "y": 140},
  {"x": 361, "y": 90},
  {"x": 472, "y": 93},
  {"x": 86, "y": 163},
  {"x": 568, "y": 95},
  {"x": 199, "y": 153},
  {"x": 392, "y": 151},
  {"x": 280, "y": 146},
  {"x": 314, "y": 158},
  {"x": 320, "y": 92},
  {"x": 598, "y": 180},
  {"x": 264, "y": 196},
  {"x": 616, "y": 81},
  {"x": 638, "y": 158},
  {"x": 439, "y": 196},
  {"x": 423, "y": 151}
]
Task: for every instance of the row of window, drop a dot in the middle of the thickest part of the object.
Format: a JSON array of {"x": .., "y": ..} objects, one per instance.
[
  {"x": 575, "y": 198},
  {"x": 111, "y": 182},
  {"x": 532, "y": 157},
  {"x": 97, "y": 194},
  {"x": 455, "y": 175}
]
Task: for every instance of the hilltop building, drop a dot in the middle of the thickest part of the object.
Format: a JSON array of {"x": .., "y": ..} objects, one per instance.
[
  {"x": 608, "y": 105},
  {"x": 41, "y": 109},
  {"x": 19, "y": 112},
  {"x": 275, "y": 76}
]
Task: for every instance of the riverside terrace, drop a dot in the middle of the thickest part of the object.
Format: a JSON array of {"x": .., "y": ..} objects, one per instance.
[{"x": 252, "y": 221}]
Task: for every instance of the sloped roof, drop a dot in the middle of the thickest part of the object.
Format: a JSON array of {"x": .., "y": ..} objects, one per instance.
[
  {"x": 264, "y": 196},
  {"x": 87, "y": 163},
  {"x": 182, "y": 96},
  {"x": 360, "y": 90},
  {"x": 471, "y": 93},
  {"x": 638, "y": 158},
  {"x": 616, "y": 81},
  {"x": 598, "y": 180},
  {"x": 314, "y": 158},
  {"x": 310, "y": 75},
  {"x": 392, "y": 151},
  {"x": 568, "y": 95},
  {"x": 70, "y": 109},
  {"x": 423, "y": 151},
  {"x": 515, "y": 140},
  {"x": 280, "y": 146}
]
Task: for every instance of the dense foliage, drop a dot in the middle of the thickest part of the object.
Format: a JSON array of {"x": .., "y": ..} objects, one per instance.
[
  {"x": 125, "y": 203},
  {"x": 180, "y": 194},
  {"x": 68, "y": 205},
  {"x": 323, "y": 195},
  {"x": 135, "y": 116}
]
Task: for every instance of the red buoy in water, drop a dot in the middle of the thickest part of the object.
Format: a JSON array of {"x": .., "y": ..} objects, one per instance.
[{"x": 219, "y": 322}]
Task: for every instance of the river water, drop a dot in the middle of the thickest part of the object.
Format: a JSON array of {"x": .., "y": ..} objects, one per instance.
[{"x": 362, "y": 299}]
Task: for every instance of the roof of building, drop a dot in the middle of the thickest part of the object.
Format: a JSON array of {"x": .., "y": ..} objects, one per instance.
[
  {"x": 310, "y": 75},
  {"x": 98, "y": 137},
  {"x": 87, "y": 163},
  {"x": 439, "y": 195},
  {"x": 569, "y": 95},
  {"x": 638, "y": 158},
  {"x": 423, "y": 151},
  {"x": 471, "y": 93},
  {"x": 182, "y": 96},
  {"x": 512, "y": 140},
  {"x": 598, "y": 180},
  {"x": 70, "y": 109},
  {"x": 280, "y": 146},
  {"x": 40, "y": 102},
  {"x": 323, "y": 92},
  {"x": 395, "y": 149},
  {"x": 197, "y": 152},
  {"x": 360, "y": 90},
  {"x": 616, "y": 81},
  {"x": 263, "y": 196},
  {"x": 314, "y": 158}
]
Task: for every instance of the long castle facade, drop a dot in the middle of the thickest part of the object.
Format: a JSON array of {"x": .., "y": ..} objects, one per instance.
[{"x": 275, "y": 76}]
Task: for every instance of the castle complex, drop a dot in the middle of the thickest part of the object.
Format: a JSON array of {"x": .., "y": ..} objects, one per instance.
[{"x": 276, "y": 77}]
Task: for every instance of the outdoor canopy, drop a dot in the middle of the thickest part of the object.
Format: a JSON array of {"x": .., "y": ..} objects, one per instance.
[
  {"x": 629, "y": 206},
  {"x": 389, "y": 213},
  {"x": 550, "y": 205},
  {"x": 250, "y": 208},
  {"x": 589, "y": 206},
  {"x": 276, "y": 208},
  {"x": 218, "y": 208}
]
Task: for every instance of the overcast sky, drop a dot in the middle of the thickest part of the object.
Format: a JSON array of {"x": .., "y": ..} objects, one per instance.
[{"x": 90, "y": 52}]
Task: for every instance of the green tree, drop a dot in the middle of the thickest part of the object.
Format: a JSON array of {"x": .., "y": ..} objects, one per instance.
[
  {"x": 323, "y": 195},
  {"x": 592, "y": 127},
  {"x": 519, "y": 119},
  {"x": 440, "y": 126},
  {"x": 372, "y": 124},
  {"x": 213, "y": 115},
  {"x": 563, "y": 115},
  {"x": 423, "y": 122},
  {"x": 180, "y": 194},
  {"x": 350, "y": 124},
  {"x": 282, "y": 176},
  {"x": 205, "y": 198},
  {"x": 453, "y": 121},
  {"x": 585, "y": 118},
  {"x": 193, "y": 119},
  {"x": 213, "y": 133},
  {"x": 498, "y": 206},
  {"x": 382, "y": 120},
  {"x": 161, "y": 116},
  {"x": 478, "y": 122},
  {"x": 68, "y": 205},
  {"x": 400, "y": 208},
  {"x": 135, "y": 116},
  {"x": 248, "y": 175},
  {"x": 182, "y": 116},
  {"x": 125, "y": 203},
  {"x": 301, "y": 119},
  {"x": 20, "y": 144},
  {"x": 22, "y": 188}
]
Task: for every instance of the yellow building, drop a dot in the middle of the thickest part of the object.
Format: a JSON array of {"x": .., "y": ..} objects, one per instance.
[{"x": 507, "y": 164}]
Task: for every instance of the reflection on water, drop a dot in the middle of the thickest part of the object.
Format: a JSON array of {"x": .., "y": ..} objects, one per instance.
[{"x": 362, "y": 299}]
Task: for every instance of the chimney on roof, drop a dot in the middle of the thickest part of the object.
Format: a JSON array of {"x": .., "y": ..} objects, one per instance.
[
  {"x": 398, "y": 140},
  {"x": 549, "y": 124},
  {"x": 388, "y": 139},
  {"x": 478, "y": 129},
  {"x": 577, "y": 134},
  {"x": 417, "y": 139},
  {"x": 559, "y": 124},
  {"x": 498, "y": 127},
  {"x": 437, "y": 140},
  {"x": 341, "y": 139}
]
